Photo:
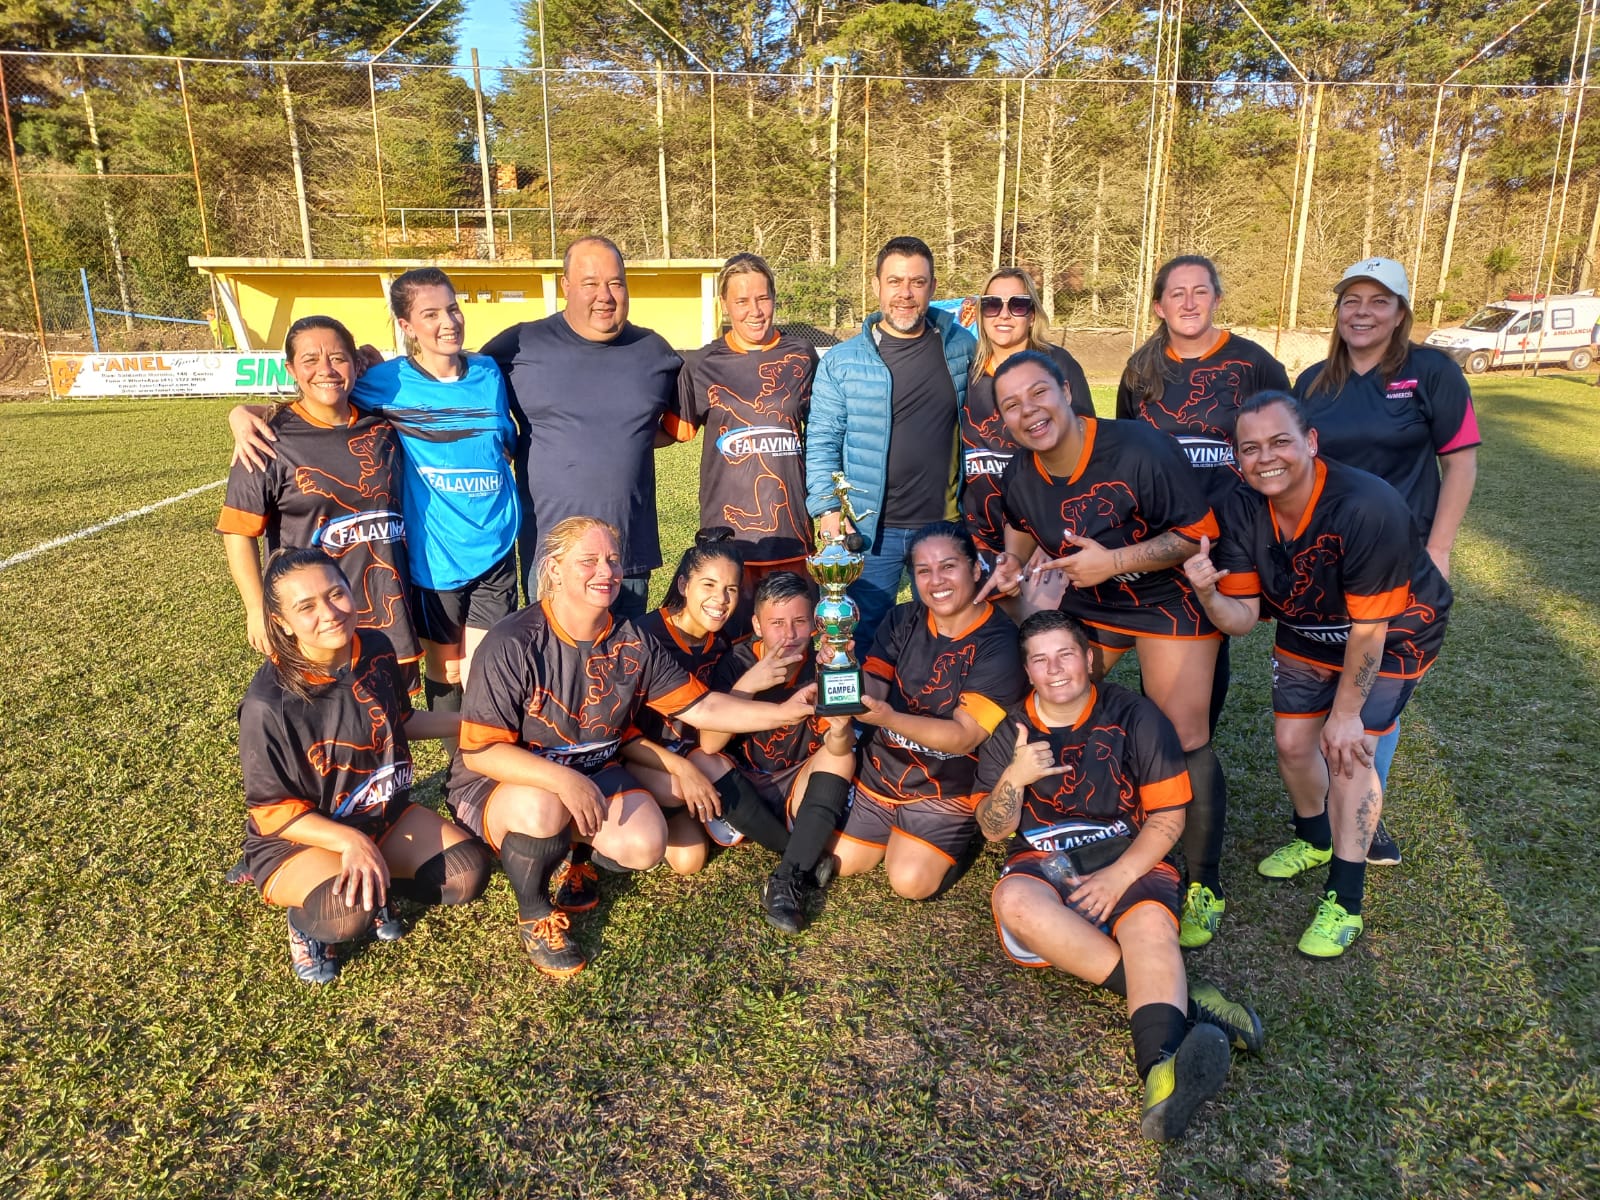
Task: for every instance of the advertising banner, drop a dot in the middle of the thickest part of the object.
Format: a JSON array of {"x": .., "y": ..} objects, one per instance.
[{"x": 171, "y": 373}]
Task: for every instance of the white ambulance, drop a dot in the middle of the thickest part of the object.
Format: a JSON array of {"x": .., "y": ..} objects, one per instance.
[{"x": 1523, "y": 329}]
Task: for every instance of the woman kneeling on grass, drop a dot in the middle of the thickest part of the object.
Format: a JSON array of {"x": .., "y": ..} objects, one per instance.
[
  {"x": 324, "y": 734},
  {"x": 1334, "y": 554},
  {"x": 556, "y": 688},
  {"x": 1088, "y": 784}
]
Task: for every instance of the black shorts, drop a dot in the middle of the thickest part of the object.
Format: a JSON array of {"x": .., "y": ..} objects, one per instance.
[
  {"x": 945, "y": 826},
  {"x": 776, "y": 789},
  {"x": 444, "y": 617},
  {"x": 1160, "y": 885},
  {"x": 1116, "y": 628},
  {"x": 1306, "y": 689},
  {"x": 265, "y": 854},
  {"x": 469, "y": 804}
]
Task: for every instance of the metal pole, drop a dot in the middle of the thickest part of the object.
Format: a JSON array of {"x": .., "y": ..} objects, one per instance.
[
  {"x": 22, "y": 219},
  {"x": 1000, "y": 190},
  {"x": 1305, "y": 210},
  {"x": 377, "y": 156},
  {"x": 866, "y": 161},
  {"x": 1455, "y": 213},
  {"x": 833, "y": 177},
  {"x": 88, "y": 308},
  {"x": 1016, "y": 175},
  {"x": 200, "y": 205},
  {"x": 294, "y": 155},
  {"x": 713, "y": 87},
  {"x": 1427, "y": 187},
  {"x": 549, "y": 170},
  {"x": 661, "y": 166},
  {"x": 1294, "y": 193},
  {"x": 483, "y": 160},
  {"x": 105, "y": 199}
]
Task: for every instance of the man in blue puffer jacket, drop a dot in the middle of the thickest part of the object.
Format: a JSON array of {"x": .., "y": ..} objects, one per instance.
[{"x": 884, "y": 410}]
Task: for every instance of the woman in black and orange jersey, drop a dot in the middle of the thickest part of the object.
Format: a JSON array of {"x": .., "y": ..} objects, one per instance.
[
  {"x": 324, "y": 730},
  {"x": 1188, "y": 380},
  {"x": 689, "y": 626},
  {"x": 1009, "y": 321},
  {"x": 334, "y": 483},
  {"x": 1401, "y": 411},
  {"x": 1333, "y": 554},
  {"x": 554, "y": 692},
  {"x": 942, "y": 671},
  {"x": 1114, "y": 508},
  {"x": 751, "y": 391}
]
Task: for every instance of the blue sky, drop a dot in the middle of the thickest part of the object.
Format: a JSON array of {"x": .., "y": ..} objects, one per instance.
[{"x": 491, "y": 26}]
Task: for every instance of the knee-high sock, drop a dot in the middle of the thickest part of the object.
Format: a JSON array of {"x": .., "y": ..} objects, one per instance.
[
  {"x": 1208, "y": 818},
  {"x": 529, "y": 863},
  {"x": 816, "y": 819},
  {"x": 746, "y": 811},
  {"x": 1220, "y": 678},
  {"x": 456, "y": 875},
  {"x": 325, "y": 917}
]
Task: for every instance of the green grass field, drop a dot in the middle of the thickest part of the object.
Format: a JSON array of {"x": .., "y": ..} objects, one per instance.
[{"x": 153, "y": 1041}]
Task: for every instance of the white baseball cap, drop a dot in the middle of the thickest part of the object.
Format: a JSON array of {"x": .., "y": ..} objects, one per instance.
[{"x": 1384, "y": 272}]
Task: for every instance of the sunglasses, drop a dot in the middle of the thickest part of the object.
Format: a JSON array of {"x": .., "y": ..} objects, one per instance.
[{"x": 1017, "y": 306}]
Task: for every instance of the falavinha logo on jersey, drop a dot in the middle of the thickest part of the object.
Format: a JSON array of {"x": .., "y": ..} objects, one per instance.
[
  {"x": 759, "y": 439},
  {"x": 1206, "y": 452},
  {"x": 380, "y": 786},
  {"x": 461, "y": 481},
  {"x": 381, "y": 526},
  {"x": 984, "y": 462}
]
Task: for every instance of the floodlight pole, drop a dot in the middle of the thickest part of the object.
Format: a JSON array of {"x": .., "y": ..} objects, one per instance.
[{"x": 377, "y": 145}]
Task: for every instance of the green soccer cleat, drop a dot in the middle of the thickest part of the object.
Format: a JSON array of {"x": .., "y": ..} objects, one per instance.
[
  {"x": 1331, "y": 931},
  {"x": 1238, "y": 1021},
  {"x": 1181, "y": 1083},
  {"x": 1202, "y": 913},
  {"x": 1288, "y": 861}
]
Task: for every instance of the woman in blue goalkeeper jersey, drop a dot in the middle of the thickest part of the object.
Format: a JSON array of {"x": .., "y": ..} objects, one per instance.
[{"x": 456, "y": 489}]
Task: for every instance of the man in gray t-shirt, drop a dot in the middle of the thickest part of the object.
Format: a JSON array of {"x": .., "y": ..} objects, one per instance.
[{"x": 588, "y": 393}]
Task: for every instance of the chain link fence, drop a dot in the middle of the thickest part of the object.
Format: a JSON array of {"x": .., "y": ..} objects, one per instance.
[{"x": 124, "y": 167}]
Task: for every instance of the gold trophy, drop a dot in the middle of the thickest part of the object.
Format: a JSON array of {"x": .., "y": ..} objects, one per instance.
[{"x": 835, "y": 567}]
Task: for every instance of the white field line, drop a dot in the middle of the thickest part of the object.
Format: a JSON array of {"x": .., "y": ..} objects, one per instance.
[{"x": 24, "y": 555}]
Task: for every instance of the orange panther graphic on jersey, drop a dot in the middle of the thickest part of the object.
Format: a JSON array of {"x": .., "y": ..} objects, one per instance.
[{"x": 770, "y": 508}]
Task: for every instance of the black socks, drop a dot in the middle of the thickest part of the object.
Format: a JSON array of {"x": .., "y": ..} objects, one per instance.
[
  {"x": 442, "y": 697},
  {"x": 1207, "y": 818},
  {"x": 744, "y": 809},
  {"x": 815, "y": 820},
  {"x": 456, "y": 875},
  {"x": 1158, "y": 1031},
  {"x": 325, "y": 917},
  {"x": 529, "y": 864},
  {"x": 1315, "y": 830},
  {"x": 1348, "y": 881}
]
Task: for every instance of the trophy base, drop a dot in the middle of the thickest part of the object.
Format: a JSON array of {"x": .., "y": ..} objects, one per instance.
[{"x": 839, "y": 692}]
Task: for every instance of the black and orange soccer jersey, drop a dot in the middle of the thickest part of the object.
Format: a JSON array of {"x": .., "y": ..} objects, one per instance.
[
  {"x": 698, "y": 659},
  {"x": 986, "y": 448},
  {"x": 1199, "y": 404},
  {"x": 930, "y": 675},
  {"x": 1124, "y": 762},
  {"x": 1130, "y": 484},
  {"x": 778, "y": 750},
  {"x": 752, "y": 466},
  {"x": 338, "y": 489},
  {"x": 1356, "y": 556},
  {"x": 343, "y": 753},
  {"x": 1396, "y": 429}
]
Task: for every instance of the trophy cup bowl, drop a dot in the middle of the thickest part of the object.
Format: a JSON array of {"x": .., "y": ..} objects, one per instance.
[{"x": 839, "y": 681}]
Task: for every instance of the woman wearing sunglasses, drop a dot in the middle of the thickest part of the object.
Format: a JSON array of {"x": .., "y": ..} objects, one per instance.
[{"x": 1006, "y": 325}]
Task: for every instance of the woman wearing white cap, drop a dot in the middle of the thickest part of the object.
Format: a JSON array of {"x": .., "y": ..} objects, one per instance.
[{"x": 1400, "y": 411}]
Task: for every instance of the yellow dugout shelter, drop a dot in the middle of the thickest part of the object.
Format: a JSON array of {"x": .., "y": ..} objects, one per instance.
[{"x": 261, "y": 297}]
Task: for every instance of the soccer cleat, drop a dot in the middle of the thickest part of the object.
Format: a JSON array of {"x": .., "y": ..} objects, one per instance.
[
  {"x": 1288, "y": 861},
  {"x": 780, "y": 897},
  {"x": 1238, "y": 1021},
  {"x": 386, "y": 926},
  {"x": 1202, "y": 912},
  {"x": 579, "y": 889},
  {"x": 1180, "y": 1083},
  {"x": 546, "y": 943},
  {"x": 1331, "y": 931},
  {"x": 722, "y": 833},
  {"x": 825, "y": 872},
  {"x": 1384, "y": 851},
  {"x": 238, "y": 874},
  {"x": 313, "y": 961}
]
